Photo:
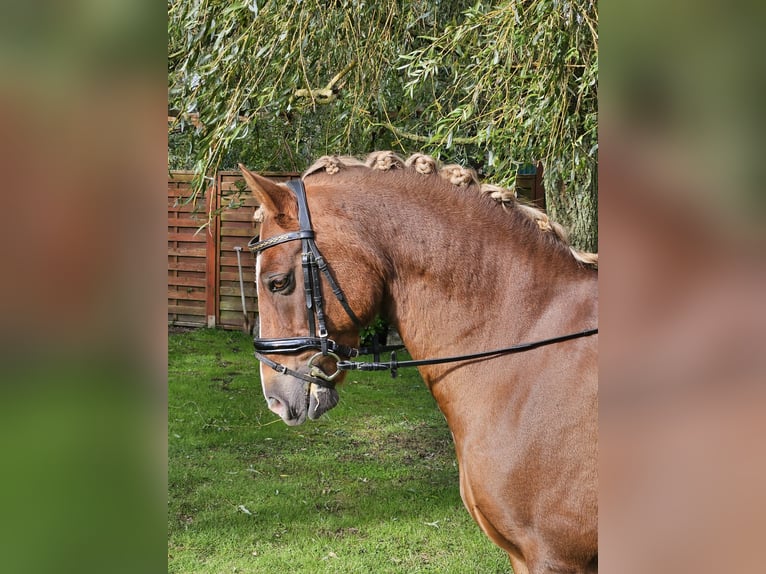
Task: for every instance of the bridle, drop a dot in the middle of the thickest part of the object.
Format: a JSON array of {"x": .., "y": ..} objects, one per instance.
[
  {"x": 312, "y": 264},
  {"x": 318, "y": 339}
]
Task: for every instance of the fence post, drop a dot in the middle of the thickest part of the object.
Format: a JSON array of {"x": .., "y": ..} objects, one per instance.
[{"x": 211, "y": 258}]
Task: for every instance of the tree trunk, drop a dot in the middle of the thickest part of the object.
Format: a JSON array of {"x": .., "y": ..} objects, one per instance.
[{"x": 577, "y": 211}]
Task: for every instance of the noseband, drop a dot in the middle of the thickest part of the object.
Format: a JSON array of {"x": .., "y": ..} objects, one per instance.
[{"x": 313, "y": 264}]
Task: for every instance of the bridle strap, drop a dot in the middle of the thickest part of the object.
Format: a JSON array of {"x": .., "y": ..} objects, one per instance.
[
  {"x": 393, "y": 364},
  {"x": 287, "y": 371},
  {"x": 336, "y": 290},
  {"x": 255, "y": 245},
  {"x": 293, "y": 345}
]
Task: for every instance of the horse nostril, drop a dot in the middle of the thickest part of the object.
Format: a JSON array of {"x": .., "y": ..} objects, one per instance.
[
  {"x": 274, "y": 404},
  {"x": 273, "y": 401}
]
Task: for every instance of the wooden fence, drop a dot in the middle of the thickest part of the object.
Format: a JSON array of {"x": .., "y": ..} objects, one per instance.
[{"x": 203, "y": 280}]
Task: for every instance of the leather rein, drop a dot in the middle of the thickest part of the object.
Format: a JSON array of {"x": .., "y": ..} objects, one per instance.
[{"x": 313, "y": 264}]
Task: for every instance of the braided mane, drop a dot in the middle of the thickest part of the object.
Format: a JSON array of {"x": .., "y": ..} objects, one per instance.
[{"x": 457, "y": 176}]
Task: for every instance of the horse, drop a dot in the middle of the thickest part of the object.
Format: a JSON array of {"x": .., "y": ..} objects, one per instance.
[{"x": 458, "y": 269}]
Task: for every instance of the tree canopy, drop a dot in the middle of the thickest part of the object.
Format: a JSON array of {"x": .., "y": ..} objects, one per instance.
[{"x": 492, "y": 85}]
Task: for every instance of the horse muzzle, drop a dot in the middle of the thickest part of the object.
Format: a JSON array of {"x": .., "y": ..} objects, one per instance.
[{"x": 295, "y": 399}]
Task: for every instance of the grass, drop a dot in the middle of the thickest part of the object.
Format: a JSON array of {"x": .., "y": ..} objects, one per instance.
[{"x": 370, "y": 487}]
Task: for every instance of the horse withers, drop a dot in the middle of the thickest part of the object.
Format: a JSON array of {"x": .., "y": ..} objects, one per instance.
[{"x": 457, "y": 268}]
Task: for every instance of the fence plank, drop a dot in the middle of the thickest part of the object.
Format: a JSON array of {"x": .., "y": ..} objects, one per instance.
[
  {"x": 241, "y": 214},
  {"x": 190, "y": 222},
  {"x": 198, "y": 265},
  {"x": 187, "y": 281},
  {"x": 187, "y": 252},
  {"x": 247, "y": 233},
  {"x": 186, "y": 295},
  {"x": 190, "y": 236},
  {"x": 232, "y": 274},
  {"x": 229, "y": 259},
  {"x": 188, "y": 309},
  {"x": 232, "y": 290}
]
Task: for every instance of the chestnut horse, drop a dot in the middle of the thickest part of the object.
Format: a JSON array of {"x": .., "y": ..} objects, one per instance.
[{"x": 456, "y": 268}]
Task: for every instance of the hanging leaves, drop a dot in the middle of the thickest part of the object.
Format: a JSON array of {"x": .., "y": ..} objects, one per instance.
[{"x": 494, "y": 85}]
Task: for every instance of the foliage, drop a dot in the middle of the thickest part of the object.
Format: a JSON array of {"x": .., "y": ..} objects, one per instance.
[
  {"x": 493, "y": 85},
  {"x": 370, "y": 487},
  {"x": 377, "y": 328},
  {"x": 514, "y": 84}
]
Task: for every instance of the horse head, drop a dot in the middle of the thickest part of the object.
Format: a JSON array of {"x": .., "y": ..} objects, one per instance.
[{"x": 304, "y": 329}]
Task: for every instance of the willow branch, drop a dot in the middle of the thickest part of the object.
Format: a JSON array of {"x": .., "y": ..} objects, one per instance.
[
  {"x": 328, "y": 93},
  {"x": 428, "y": 139},
  {"x": 340, "y": 74}
]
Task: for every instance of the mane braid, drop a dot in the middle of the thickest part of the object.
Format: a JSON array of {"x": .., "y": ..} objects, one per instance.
[{"x": 460, "y": 178}]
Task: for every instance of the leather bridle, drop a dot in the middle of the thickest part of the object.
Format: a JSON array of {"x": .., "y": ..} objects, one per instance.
[{"x": 313, "y": 264}]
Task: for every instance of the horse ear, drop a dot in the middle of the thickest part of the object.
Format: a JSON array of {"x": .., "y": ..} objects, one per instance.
[{"x": 275, "y": 199}]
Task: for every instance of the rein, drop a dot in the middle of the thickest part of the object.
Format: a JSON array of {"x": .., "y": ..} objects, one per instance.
[
  {"x": 313, "y": 264},
  {"x": 393, "y": 364}
]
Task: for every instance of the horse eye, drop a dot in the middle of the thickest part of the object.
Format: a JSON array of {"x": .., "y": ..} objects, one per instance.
[{"x": 280, "y": 282}]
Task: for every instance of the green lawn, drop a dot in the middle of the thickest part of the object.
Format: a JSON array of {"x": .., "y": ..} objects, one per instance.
[{"x": 370, "y": 487}]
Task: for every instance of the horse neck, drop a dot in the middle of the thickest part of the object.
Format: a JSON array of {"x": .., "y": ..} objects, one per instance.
[{"x": 459, "y": 279}]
